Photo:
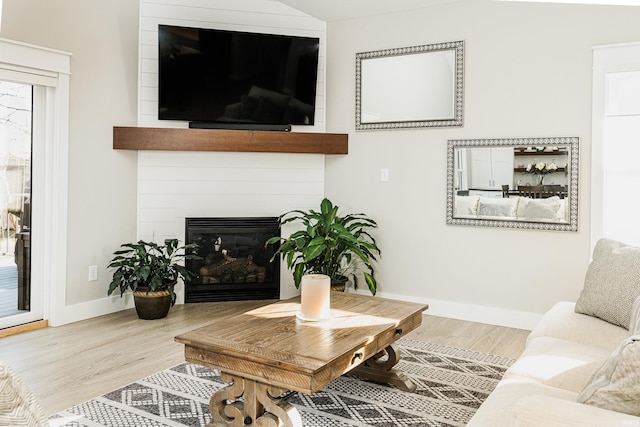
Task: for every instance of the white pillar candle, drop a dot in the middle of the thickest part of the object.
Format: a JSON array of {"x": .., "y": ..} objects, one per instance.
[{"x": 315, "y": 293}]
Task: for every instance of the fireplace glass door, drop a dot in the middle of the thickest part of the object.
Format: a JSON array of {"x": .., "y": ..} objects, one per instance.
[{"x": 235, "y": 263}]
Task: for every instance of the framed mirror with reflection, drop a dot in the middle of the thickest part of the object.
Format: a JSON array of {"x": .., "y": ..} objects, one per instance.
[
  {"x": 529, "y": 183},
  {"x": 410, "y": 87}
]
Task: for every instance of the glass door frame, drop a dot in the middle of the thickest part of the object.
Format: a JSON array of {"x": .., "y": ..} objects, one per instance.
[{"x": 49, "y": 71}]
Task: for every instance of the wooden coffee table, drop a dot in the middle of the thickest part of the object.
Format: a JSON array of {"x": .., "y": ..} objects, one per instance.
[{"x": 264, "y": 353}]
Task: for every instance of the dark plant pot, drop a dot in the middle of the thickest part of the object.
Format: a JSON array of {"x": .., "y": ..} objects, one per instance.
[
  {"x": 339, "y": 283},
  {"x": 152, "y": 305}
]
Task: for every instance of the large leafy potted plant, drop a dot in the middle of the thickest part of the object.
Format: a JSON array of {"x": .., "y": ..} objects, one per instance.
[
  {"x": 151, "y": 272},
  {"x": 337, "y": 246}
]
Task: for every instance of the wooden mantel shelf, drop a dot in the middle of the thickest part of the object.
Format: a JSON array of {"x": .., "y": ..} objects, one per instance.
[{"x": 181, "y": 139}]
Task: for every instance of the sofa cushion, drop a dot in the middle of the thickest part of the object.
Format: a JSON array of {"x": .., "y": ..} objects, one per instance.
[
  {"x": 539, "y": 410},
  {"x": 561, "y": 321},
  {"x": 298, "y": 112},
  {"x": 268, "y": 111},
  {"x": 539, "y": 208},
  {"x": 248, "y": 105},
  {"x": 634, "y": 324},
  {"x": 495, "y": 207},
  {"x": 616, "y": 385},
  {"x": 493, "y": 411},
  {"x": 558, "y": 362},
  {"x": 280, "y": 99},
  {"x": 612, "y": 283},
  {"x": 466, "y": 206}
]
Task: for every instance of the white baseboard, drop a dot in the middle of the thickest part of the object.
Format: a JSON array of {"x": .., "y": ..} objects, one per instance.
[
  {"x": 471, "y": 312},
  {"x": 113, "y": 304},
  {"x": 483, "y": 314},
  {"x": 89, "y": 309}
]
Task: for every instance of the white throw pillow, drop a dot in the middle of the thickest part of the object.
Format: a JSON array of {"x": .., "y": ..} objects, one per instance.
[
  {"x": 493, "y": 206},
  {"x": 612, "y": 283},
  {"x": 616, "y": 385},
  {"x": 466, "y": 206},
  {"x": 539, "y": 208}
]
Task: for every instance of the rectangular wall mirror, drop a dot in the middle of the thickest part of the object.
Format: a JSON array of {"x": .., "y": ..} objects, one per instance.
[
  {"x": 529, "y": 183},
  {"x": 410, "y": 87}
]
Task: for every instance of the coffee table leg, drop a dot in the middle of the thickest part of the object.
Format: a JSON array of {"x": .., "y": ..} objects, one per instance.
[
  {"x": 381, "y": 369},
  {"x": 259, "y": 407}
]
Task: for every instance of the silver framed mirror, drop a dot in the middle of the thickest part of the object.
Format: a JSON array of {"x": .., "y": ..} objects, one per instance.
[
  {"x": 410, "y": 87},
  {"x": 529, "y": 183}
]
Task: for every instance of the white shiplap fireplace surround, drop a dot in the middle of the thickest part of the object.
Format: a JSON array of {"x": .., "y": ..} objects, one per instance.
[{"x": 174, "y": 185}]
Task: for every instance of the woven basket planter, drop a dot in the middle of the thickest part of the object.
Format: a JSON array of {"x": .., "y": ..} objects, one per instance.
[
  {"x": 152, "y": 305},
  {"x": 339, "y": 283}
]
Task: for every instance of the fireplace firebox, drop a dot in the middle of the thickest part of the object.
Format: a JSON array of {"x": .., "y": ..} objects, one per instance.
[{"x": 235, "y": 263}]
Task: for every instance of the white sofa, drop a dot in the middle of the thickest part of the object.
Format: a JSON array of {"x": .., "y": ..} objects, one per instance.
[
  {"x": 541, "y": 388},
  {"x": 516, "y": 208},
  {"x": 568, "y": 354}
]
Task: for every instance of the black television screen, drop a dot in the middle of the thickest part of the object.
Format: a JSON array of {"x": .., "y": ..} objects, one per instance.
[{"x": 219, "y": 76}]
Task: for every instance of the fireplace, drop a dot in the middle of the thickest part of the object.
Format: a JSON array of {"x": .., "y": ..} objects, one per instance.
[{"x": 235, "y": 262}]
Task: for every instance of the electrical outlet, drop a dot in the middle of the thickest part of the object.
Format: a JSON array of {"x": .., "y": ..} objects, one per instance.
[{"x": 93, "y": 273}]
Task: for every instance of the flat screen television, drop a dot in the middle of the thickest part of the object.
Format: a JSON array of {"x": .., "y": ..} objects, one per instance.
[{"x": 235, "y": 78}]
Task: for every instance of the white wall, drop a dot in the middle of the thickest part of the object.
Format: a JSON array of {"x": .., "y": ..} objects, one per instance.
[
  {"x": 527, "y": 74},
  {"x": 103, "y": 40}
]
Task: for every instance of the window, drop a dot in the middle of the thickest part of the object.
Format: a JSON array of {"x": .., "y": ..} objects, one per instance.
[{"x": 616, "y": 144}]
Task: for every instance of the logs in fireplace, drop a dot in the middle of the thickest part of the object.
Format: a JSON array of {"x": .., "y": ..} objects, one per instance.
[{"x": 235, "y": 262}]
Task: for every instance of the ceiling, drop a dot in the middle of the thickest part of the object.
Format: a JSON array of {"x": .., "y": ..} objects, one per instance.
[{"x": 338, "y": 10}]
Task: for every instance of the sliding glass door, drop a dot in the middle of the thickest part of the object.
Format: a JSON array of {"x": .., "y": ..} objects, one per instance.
[{"x": 16, "y": 130}]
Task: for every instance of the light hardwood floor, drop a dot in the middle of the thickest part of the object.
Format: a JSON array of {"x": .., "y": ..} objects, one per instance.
[{"x": 69, "y": 364}]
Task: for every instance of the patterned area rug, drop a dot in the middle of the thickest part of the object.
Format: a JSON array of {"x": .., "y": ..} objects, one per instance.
[{"x": 452, "y": 383}]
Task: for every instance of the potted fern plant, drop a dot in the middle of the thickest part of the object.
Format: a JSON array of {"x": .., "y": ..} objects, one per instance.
[
  {"x": 337, "y": 246},
  {"x": 151, "y": 272}
]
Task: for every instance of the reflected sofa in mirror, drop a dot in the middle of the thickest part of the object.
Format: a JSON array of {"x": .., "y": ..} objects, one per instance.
[
  {"x": 529, "y": 183},
  {"x": 410, "y": 87}
]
